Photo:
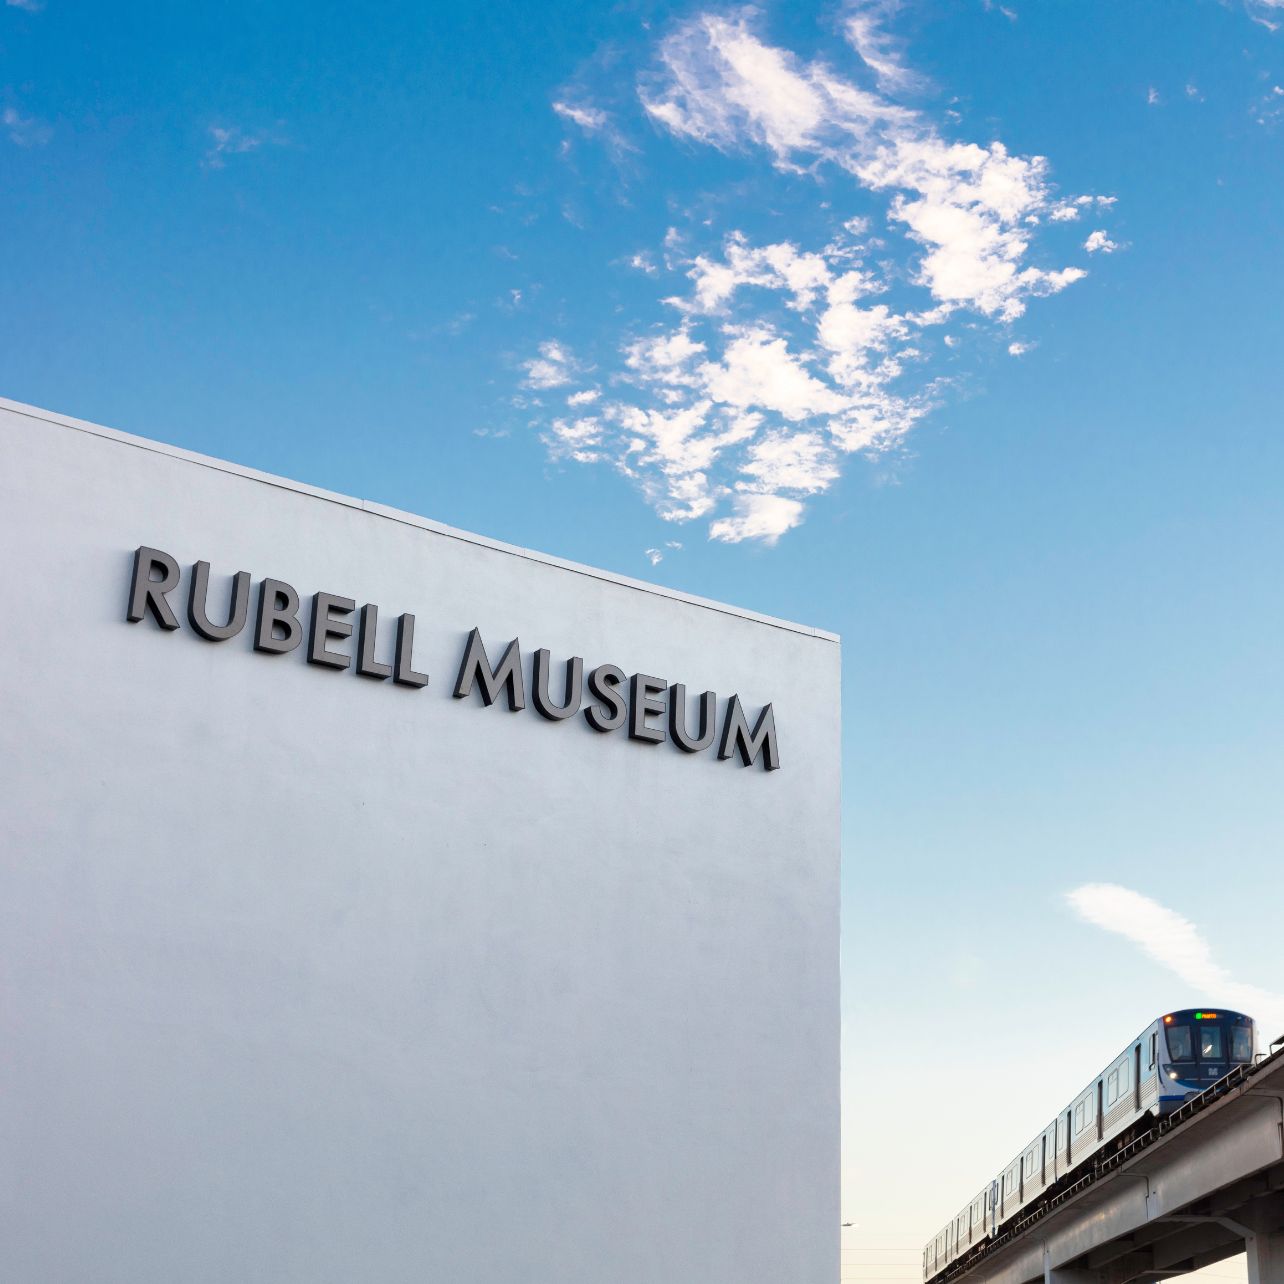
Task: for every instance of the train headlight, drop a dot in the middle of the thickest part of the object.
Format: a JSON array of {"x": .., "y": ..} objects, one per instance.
[{"x": 1172, "y": 1074}]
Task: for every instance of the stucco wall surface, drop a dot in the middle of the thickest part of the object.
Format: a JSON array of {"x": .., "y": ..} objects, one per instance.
[{"x": 308, "y": 977}]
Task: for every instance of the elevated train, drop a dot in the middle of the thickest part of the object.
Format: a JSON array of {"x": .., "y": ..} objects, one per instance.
[{"x": 1171, "y": 1060}]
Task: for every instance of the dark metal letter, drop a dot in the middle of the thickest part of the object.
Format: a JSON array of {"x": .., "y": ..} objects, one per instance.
[
  {"x": 678, "y": 719},
  {"x": 403, "y": 672},
  {"x": 642, "y": 704},
  {"x": 198, "y": 601},
  {"x": 736, "y": 737},
  {"x": 476, "y": 668},
  {"x": 278, "y": 609},
  {"x": 368, "y": 626},
  {"x": 147, "y": 594},
  {"x": 574, "y": 687},
  {"x": 604, "y": 686},
  {"x": 325, "y": 606}
]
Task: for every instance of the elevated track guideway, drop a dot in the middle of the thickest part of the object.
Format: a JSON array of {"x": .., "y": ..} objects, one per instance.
[{"x": 1205, "y": 1184}]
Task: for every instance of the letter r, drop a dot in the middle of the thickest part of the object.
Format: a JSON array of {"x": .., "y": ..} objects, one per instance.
[{"x": 147, "y": 593}]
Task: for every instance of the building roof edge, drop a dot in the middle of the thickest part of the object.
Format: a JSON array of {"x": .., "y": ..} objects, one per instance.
[{"x": 398, "y": 515}]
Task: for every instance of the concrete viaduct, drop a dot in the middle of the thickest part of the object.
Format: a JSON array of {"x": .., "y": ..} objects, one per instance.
[{"x": 1207, "y": 1186}]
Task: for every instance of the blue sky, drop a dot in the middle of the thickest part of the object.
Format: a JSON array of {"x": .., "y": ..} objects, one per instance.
[{"x": 953, "y": 328}]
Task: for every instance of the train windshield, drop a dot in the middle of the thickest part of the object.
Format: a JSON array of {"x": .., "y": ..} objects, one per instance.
[{"x": 1209, "y": 1040}]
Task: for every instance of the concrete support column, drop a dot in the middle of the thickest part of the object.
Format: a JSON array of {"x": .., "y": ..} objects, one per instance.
[{"x": 1265, "y": 1258}]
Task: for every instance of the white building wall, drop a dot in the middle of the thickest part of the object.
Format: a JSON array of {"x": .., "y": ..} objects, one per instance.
[{"x": 307, "y": 977}]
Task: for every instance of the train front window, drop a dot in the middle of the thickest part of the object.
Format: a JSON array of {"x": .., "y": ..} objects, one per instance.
[
  {"x": 1241, "y": 1043},
  {"x": 1211, "y": 1046},
  {"x": 1180, "y": 1047}
]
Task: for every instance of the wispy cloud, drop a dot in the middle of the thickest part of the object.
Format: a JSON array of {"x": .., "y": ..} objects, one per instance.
[
  {"x": 1270, "y": 13},
  {"x": 232, "y": 140},
  {"x": 1176, "y": 943},
  {"x": 991, "y": 7},
  {"x": 782, "y": 358},
  {"x": 656, "y": 555},
  {"x": 27, "y": 6},
  {"x": 24, "y": 131},
  {"x": 1269, "y": 108},
  {"x": 865, "y": 26},
  {"x": 591, "y": 120}
]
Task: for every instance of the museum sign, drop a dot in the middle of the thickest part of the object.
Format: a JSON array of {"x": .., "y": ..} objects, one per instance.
[{"x": 649, "y": 709}]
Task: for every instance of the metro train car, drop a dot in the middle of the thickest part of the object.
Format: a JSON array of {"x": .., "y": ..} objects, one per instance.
[{"x": 1171, "y": 1060}]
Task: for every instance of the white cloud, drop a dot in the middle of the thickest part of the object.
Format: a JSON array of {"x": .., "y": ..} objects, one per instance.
[
  {"x": 1177, "y": 944},
  {"x": 967, "y": 205},
  {"x": 757, "y": 370},
  {"x": 584, "y": 398},
  {"x": 231, "y": 140},
  {"x": 1152, "y": 96},
  {"x": 28, "y": 6},
  {"x": 24, "y": 131},
  {"x": 1018, "y": 349},
  {"x": 963, "y": 202},
  {"x": 723, "y": 86},
  {"x": 590, "y": 119},
  {"x": 1099, "y": 242},
  {"x": 781, "y": 358},
  {"x": 761, "y": 517},
  {"x": 553, "y": 368},
  {"x": 577, "y": 439},
  {"x": 801, "y": 462},
  {"x": 778, "y": 266}
]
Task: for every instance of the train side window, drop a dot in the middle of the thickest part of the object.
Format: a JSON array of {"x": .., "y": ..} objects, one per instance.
[
  {"x": 1112, "y": 1088},
  {"x": 1125, "y": 1076},
  {"x": 1078, "y": 1118}
]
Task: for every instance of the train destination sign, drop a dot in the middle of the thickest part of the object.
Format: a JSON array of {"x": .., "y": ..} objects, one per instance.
[{"x": 650, "y": 710}]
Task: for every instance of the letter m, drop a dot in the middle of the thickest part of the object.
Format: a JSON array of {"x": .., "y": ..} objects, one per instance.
[
  {"x": 476, "y": 670},
  {"x": 737, "y": 738}
]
